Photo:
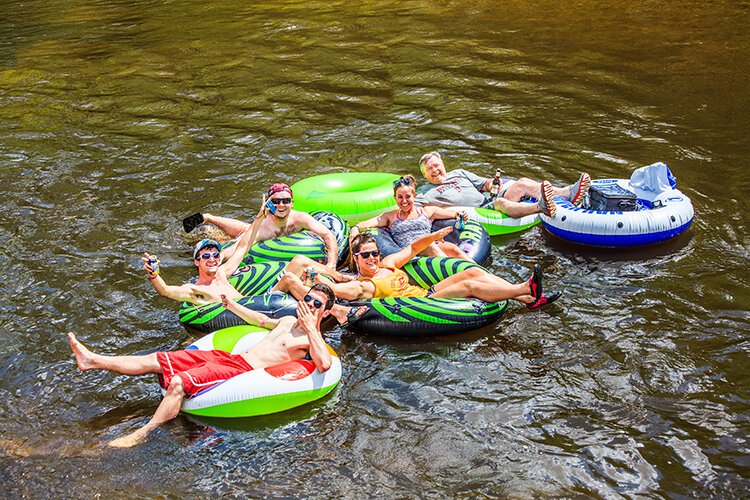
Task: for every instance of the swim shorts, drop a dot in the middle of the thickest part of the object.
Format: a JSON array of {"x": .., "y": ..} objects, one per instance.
[{"x": 200, "y": 370}]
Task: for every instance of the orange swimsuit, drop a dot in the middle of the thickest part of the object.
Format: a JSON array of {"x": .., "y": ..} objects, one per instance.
[{"x": 394, "y": 285}]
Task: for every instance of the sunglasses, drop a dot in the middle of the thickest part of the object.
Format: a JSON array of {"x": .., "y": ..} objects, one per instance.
[
  {"x": 366, "y": 255},
  {"x": 317, "y": 303},
  {"x": 209, "y": 255},
  {"x": 279, "y": 201},
  {"x": 403, "y": 181}
]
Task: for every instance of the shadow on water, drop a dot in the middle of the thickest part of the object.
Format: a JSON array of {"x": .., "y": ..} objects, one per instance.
[
  {"x": 265, "y": 424},
  {"x": 640, "y": 253}
]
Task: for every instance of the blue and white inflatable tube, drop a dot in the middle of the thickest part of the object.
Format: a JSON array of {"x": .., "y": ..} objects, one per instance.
[{"x": 666, "y": 215}]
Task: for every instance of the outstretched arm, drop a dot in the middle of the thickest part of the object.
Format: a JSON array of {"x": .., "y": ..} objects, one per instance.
[
  {"x": 232, "y": 227},
  {"x": 350, "y": 290},
  {"x": 435, "y": 212},
  {"x": 382, "y": 220},
  {"x": 180, "y": 293},
  {"x": 400, "y": 258},
  {"x": 318, "y": 348},
  {"x": 248, "y": 238},
  {"x": 252, "y": 317}
]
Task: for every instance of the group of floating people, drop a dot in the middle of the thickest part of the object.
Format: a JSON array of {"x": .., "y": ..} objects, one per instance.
[{"x": 320, "y": 289}]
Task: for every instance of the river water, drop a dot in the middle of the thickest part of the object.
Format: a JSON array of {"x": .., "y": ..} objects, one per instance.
[{"x": 119, "y": 118}]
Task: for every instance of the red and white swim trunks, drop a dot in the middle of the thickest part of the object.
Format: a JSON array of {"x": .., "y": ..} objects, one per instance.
[{"x": 200, "y": 370}]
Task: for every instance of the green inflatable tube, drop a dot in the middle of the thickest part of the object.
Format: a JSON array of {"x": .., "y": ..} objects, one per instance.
[
  {"x": 358, "y": 196},
  {"x": 353, "y": 196},
  {"x": 262, "y": 391}
]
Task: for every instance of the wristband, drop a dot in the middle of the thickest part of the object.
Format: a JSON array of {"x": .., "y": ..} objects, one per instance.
[
  {"x": 152, "y": 276},
  {"x": 263, "y": 323}
]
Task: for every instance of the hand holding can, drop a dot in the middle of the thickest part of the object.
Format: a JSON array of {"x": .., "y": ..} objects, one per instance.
[
  {"x": 459, "y": 224},
  {"x": 153, "y": 263}
]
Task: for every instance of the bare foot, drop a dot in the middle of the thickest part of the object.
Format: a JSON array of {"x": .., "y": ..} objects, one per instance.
[
  {"x": 130, "y": 440},
  {"x": 84, "y": 357}
]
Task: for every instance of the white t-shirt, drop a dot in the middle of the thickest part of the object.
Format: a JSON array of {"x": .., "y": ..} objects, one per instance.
[{"x": 460, "y": 188}]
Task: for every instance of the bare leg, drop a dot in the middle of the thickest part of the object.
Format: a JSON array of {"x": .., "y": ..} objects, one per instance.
[
  {"x": 126, "y": 365},
  {"x": 232, "y": 227},
  {"x": 433, "y": 251},
  {"x": 514, "y": 208},
  {"x": 477, "y": 283},
  {"x": 299, "y": 263},
  {"x": 347, "y": 314},
  {"x": 524, "y": 187},
  {"x": 339, "y": 312},
  {"x": 167, "y": 410},
  {"x": 452, "y": 250},
  {"x": 292, "y": 284}
]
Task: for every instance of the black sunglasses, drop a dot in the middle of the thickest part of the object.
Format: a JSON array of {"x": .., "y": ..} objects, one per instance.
[
  {"x": 278, "y": 201},
  {"x": 366, "y": 255},
  {"x": 403, "y": 181},
  {"x": 208, "y": 255},
  {"x": 317, "y": 303}
]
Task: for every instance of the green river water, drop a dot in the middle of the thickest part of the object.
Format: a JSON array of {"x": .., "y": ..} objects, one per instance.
[{"x": 118, "y": 118}]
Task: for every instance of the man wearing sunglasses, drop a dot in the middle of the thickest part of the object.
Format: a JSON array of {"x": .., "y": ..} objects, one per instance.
[
  {"x": 281, "y": 221},
  {"x": 213, "y": 276},
  {"x": 461, "y": 188},
  {"x": 185, "y": 373}
]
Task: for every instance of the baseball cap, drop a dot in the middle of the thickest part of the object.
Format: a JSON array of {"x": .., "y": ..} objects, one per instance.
[
  {"x": 205, "y": 243},
  {"x": 278, "y": 188}
]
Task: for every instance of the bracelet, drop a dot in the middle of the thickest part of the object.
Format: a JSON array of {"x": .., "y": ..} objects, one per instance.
[
  {"x": 152, "y": 276},
  {"x": 263, "y": 323}
]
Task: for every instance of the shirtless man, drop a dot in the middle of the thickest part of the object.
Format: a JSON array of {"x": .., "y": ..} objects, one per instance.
[
  {"x": 284, "y": 222},
  {"x": 185, "y": 373},
  {"x": 212, "y": 274},
  {"x": 463, "y": 188}
]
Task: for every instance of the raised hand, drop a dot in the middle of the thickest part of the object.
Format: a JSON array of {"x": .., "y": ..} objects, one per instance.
[
  {"x": 442, "y": 233},
  {"x": 305, "y": 317},
  {"x": 147, "y": 265},
  {"x": 263, "y": 212}
]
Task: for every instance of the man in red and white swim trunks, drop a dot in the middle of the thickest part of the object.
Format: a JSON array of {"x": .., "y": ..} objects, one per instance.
[
  {"x": 185, "y": 373},
  {"x": 199, "y": 370}
]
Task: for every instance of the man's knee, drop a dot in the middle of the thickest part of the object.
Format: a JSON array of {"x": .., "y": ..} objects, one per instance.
[
  {"x": 500, "y": 204},
  {"x": 176, "y": 388},
  {"x": 298, "y": 260}
]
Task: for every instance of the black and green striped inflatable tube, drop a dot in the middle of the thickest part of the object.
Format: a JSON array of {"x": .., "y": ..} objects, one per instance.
[
  {"x": 253, "y": 281},
  {"x": 425, "y": 316},
  {"x": 305, "y": 243}
]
